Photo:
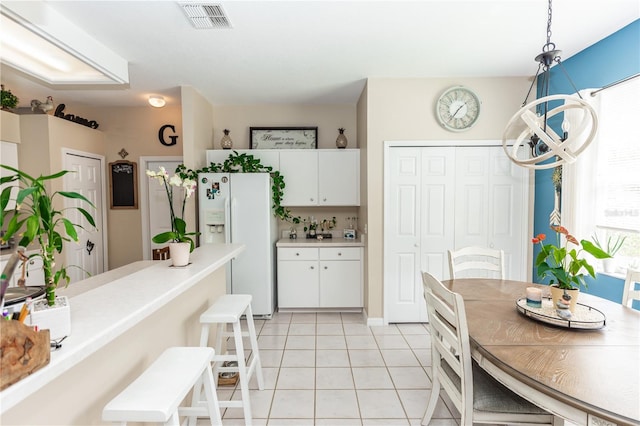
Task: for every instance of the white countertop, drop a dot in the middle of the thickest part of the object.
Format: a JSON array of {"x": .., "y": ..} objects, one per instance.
[
  {"x": 107, "y": 305},
  {"x": 325, "y": 242}
]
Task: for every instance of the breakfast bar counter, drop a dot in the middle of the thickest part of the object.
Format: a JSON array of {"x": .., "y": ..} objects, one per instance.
[{"x": 121, "y": 321}]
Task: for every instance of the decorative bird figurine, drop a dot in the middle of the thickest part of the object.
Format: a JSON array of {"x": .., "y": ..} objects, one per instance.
[{"x": 43, "y": 106}]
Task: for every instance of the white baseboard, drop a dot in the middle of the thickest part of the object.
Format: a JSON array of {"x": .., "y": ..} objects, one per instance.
[{"x": 372, "y": 322}]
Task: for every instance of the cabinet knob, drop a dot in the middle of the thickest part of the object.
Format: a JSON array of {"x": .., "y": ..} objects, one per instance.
[
  {"x": 297, "y": 254},
  {"x": 310, "y": 199},
  {"x": 324, "y": 199},
  {"x": 311, "y": 267},
  {"x": 339, "y": 254},
  {"x": 326, "y": 267}
]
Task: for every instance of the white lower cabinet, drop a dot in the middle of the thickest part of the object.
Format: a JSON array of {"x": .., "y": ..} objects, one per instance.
[{"x": 328, "y": 277}]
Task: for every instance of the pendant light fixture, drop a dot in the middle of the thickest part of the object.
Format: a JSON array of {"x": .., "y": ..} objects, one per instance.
[{"x": 531, "y": 122}]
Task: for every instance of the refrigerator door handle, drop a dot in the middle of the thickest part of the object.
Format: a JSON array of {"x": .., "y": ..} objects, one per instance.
[
  {"x": 232, "y": 218},
  {"x": 229, "y": 222}
]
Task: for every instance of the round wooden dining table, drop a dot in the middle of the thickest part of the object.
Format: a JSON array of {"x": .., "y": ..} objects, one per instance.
[{"x": 589, "y": 377}]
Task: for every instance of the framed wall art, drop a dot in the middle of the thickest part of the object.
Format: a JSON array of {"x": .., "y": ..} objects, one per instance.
[
  {"x": 123, "y": 182},
  {"x": 283, "y": 137}
]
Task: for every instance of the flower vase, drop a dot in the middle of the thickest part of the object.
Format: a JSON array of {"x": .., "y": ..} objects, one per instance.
[
  {"x": 610, "y": 265},
  {"x": 179, "y": 253},
  {"x": 557, "y": 292},
  {"x": 56, "y": 318}
]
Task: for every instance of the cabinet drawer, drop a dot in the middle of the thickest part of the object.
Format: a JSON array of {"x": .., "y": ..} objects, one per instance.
[
  {"x": 340, "y": 253},
  {"x": 301, "y": 253}
]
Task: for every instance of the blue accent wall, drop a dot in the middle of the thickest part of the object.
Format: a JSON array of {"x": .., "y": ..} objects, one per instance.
[{"x": 609, "y": 60}]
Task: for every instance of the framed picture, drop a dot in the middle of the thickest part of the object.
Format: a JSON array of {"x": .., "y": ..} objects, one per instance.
[
  {"x": 123, "y": 183},
  {"x": 283, "y": 137}
]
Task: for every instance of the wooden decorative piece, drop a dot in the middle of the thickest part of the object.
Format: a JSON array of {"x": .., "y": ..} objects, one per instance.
[{"x": 22, "y": 351}]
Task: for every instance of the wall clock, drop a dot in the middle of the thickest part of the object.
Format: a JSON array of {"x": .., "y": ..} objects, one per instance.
[{"x": 458, "y": 108}]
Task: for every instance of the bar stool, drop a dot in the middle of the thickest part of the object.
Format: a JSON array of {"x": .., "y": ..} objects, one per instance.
[
  {"x": 156, "y": 394},
  {"x": 228, "y": 309}
]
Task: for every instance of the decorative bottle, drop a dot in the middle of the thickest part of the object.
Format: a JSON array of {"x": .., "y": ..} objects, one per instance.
[
  {"x": 341, "y": 142},
  {"x": 226, "y": 142}
]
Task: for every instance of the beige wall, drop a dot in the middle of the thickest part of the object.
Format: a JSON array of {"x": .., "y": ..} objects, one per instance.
[
  {"x": 9, "y": 127},
  {"x": 135, "y": 130},
  {"x": 403, "y": 109},
  {"x": 239, "y": 118}
]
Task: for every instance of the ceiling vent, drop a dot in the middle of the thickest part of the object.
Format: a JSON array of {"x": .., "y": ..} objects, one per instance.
[{"x": 206, "y": 15}]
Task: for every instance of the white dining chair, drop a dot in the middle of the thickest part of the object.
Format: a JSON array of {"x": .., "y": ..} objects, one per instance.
[
  {"x": 476, "y": 262},
  {"x": 629, "y": 294},
  {"x": 478, "y": 397}
]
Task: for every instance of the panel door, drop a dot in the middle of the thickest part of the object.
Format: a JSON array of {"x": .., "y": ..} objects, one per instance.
[
  {"x": 405, "y": 302},
  {"x": 88, "y": 252},
  {"x": 491, "y": 200},
  {"x": 507, "y": 224},
  {"x": 159, "y": 215},
  {"x": 339, "y": 181},
  {"x": 300, "y": 171},
  {"x": 437, "y": 210}
]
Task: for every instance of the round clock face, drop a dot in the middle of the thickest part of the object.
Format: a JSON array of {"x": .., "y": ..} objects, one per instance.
[{"x": 458, "y": 108}]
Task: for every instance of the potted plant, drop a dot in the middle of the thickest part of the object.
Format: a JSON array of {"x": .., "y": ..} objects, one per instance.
[
  {"x": 7, "y": 99},
  {"x": 181, "y": 243},
  {"x": 611, "y": 248},
  {"x": 37, "y": 219},
  {"x": 564, "y": 265}
]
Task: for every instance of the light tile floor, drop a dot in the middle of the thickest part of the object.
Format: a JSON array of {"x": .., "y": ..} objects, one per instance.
[{"x": 331, "y": 369}]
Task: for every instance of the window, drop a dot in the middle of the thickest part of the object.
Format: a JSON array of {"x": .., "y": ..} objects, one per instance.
[{"x": 601, "y": 190}]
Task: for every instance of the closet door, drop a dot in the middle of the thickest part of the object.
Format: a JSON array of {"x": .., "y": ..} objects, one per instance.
[
  {"x": 420, "y": 226},
  {"x": 402, "y": 246},
  {"x": 490, "y": 205}
]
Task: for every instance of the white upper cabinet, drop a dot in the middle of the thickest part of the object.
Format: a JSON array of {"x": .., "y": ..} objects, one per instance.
[
  {"x": 339, "y": 177},
  {"x": 323, "y": 177},
  {"x": 326, "y": 177},
  {"x": 300, "y": 171}
]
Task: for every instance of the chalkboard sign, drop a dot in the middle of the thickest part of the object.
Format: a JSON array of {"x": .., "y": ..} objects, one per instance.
[{"x": 123, "y": 183}]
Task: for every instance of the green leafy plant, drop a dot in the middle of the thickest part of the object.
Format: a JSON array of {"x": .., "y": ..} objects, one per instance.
[
  {"x": 38, "y": 219},
  {"x": 181, "y": 180},
  {"x": 563, "y": 264},
  {"x": 613, "y": 245},
  {"x": 8, "y": 99},
  {"x": 247, "y": 163}
]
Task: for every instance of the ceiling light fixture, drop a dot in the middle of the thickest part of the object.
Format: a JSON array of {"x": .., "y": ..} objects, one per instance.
[
  {"x": 42, "y": 43},
  {"x": 532, "y": 120},
  {"x": 156, "y": 101}
]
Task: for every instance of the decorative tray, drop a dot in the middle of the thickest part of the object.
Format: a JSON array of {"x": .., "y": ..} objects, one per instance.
[{"x": 585, "y": 317}]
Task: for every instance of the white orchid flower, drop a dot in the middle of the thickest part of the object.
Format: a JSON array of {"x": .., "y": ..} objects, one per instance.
[{"x": 175, "y": 181}]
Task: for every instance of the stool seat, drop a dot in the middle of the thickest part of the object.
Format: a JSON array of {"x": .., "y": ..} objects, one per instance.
[
  {"x": 227, "y": 308},
  {"x": 156, "y": 394}
]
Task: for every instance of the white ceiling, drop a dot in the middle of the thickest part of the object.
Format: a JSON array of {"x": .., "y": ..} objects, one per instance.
[{"x": 321, "y": 52}]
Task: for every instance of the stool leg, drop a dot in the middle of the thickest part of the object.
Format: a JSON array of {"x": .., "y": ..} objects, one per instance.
[
  {"x": 197, "y": 389},
  {"x": 213, "y": 407},
  {"x": 242, "y": 369},
  {"x": 254, "y": 348},
  {"x": 174, "y": 420},
  {"x": 221, "y": 330}
]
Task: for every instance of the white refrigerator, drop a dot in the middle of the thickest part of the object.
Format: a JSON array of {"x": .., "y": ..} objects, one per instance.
[{"x": 236, "y": 208}]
